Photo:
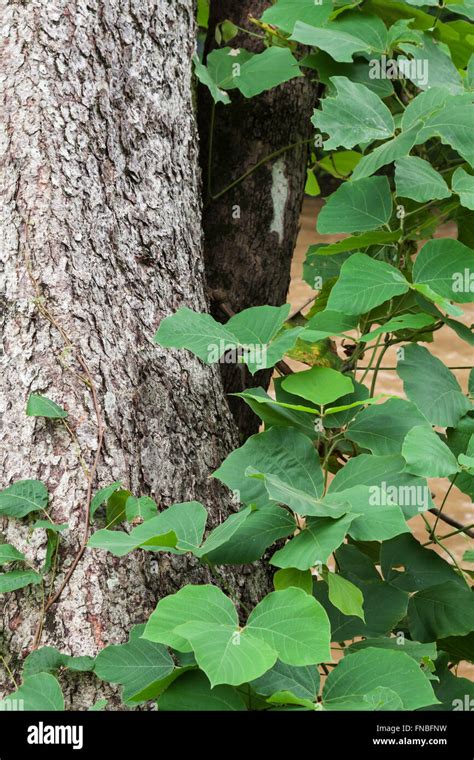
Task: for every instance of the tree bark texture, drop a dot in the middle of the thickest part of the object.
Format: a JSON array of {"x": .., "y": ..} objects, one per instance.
[
  {"x": 250, "y": 231},
  {"x": 101, "y": 229}
]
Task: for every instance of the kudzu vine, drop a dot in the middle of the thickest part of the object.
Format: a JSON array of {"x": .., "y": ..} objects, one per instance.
[{"x": 340, "y": 471}]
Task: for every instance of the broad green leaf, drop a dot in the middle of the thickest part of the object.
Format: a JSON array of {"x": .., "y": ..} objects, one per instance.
[
  {"x": 115, "y": 512},
  {"x": 387, "y": 153},
  {"x": 285, "y": 13},
  {"x": 303, "y": 503},
  {"x": 178, "y": 529},
  {"x": 144, "y": 508},
  {"x": 454, "y": 693},
  {"x": 398, "y": 643},
  {"x": 136, "y": 665},
  {"x": 365, "y": 283},
  {"x": 291, "y": 576},
  {"x": 320, "y": 385},
  {"x": 192, "y": 692},
  {"x": 23, "y": 497},
  {"x": 273, "y": 413},
  {"x": 314, "y": 544},
  {"x": 39, "y": 693},
  {"x": 252, "y": 536},
  {"x": 446, "y": 265},
  {"x": 359, "y": 72},
  {"x": 427, "y": 455},
  {"x": 463, "y": 185},
  {"x": 356, "y": 115},
  {"x": 369, "y": 28},
  {"x": 345, "y": 596},
  {"x": 328, "y": 323},
  {"x": 400, "y": 31},
  {"x": 223, "y": 533},
  {"x": 266, "y": 70},
  {"x": 205, "y": 77},
  {"x": 283, "y": 452},
  {"x": 359, "y": 674},
  {"x": 357, "y": 243},
  {"x": 453, "y": 126},
  {"x": 16, "y": 579},
  {"x": 340, "y": 164},
  {"x": 403, "y": 322},
  {"x": 338, "y": 43},
  {"x": 40, "y": 406},
  {"x": 224, "y": 66},
  {"x": 199, "y": 333},
  {"x": 303, "y": 682},
  {"x": 423, "y": 106},
  {"x": 382, "y": 428},
  {"x": 440, "y": 611},
  {"x": 409, "y": 566},
  {"x": 432, "y": 387},
  {"x": 357, "y": 207},
  {"x": 429, "y": 66},
  {"x": 48, "y": 525},
  {"x": 8, "y": 553},
  {"x": 49, "y": 660},
  {"x": 415, "y": 178},
  {"x": 103, "y": 495}
]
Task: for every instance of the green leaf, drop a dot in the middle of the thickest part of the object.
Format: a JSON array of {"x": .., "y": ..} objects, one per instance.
[
  {"x": 49, "y": 660},
  {"x": 437, "y": 70},
  {"x": 199, "y": 333},
  {"x": 266, "y": 70},
  {"x": 275, "y": 414},
  {"x": 312, "y": 185},
  {"x": 224, "y": 66},
  {"x": 177, "y": 529},
  {"x": 303, "y": 503},
  {"x": 398, "y": 643},
  {"x": 403, "y": 322},
  {"x": 285, "y": 453},
  {"x": 285, "y": 13},
  {"x": 357, "y": 207},
  {"x": 136, "y": 665},
  {"x": 40, "y": 406},
  {"x": 205, "y": 77},
  {"x": 241, "y": 541},
  {"x": 320, "y": 385},
  {"x": 453, "y": 126},
  {"x": 40, "y": 693},
  {"x": 8, "y": 553},
  {"x": 463, "y": 185},
  {"x": 432, "y": 387},
  {"x": 365, "y": 283},
  {"x": 314, "y": 544},
  {"x": 48, "y": 525},
  {"x": 23, "y": 497},
  {"x": 357, "y": 243},
  {"x": 382, "y": 428},
  {"x": 302, "y": 682},
  {"x": 291, "y": 576},
  {"x": 327, "y": 323},
  {"x": 409, "y": 566},
  {"x": 345, "y": 596},
  {"x": 192, "y": 691},
  {"x": 144, "y": 508},
  {"x": 427, "y": 455},
  {"x": 440, "y": 611},
  {"x": 340, "y": 164},
  {"x": 340, "y": 45},
  {"x": 357, "y": 675},
  {"x": 385, "y": 154},
  {"x": 445, "y": 265},
  {"x": 16, "y": 579},
  {"x": 103, "y": 495},
  {"x": 415, "y": 178},
  {"x": 356, "y": 115}
]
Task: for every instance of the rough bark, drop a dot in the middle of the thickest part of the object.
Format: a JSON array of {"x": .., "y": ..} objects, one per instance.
[
  {"x": 250, "y": 231},
  {"x": 102, "y": 211}
]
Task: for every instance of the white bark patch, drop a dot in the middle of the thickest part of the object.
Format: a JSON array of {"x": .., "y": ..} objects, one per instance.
[{"x": 280, "y": 192}]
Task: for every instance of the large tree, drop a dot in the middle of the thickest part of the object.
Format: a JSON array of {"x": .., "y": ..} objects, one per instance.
[{"x": 102, "y": 239}]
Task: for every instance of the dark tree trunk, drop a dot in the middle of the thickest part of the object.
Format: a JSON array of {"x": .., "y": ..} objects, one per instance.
[{"x": 250, "y": 231}]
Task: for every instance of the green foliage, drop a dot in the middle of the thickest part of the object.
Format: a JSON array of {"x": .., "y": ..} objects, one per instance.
[{"x": 328, "y": 491}]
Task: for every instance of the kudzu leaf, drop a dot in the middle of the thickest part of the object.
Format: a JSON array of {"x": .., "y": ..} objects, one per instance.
[
  {"x": 409, "y": 566},
  {"x": 266, "y": 70},
  {"x": 103, "y": 495},
  {"x": 365, "y": 283},
  {"x": 432, "y": 387},
  {"x": 199, "y": 333},
  {"x": 48, "y": 525},
  {"x": 273, "y": 413},
  {"x": 314, "y": 544},
  {"x": 136, "y": 665},
  {"x": 303, "y": 503},
  {"x": 224, "y": 65},
  {"x": 328, "y": 323},
  {"x": 357, "y": 675},
  {"x": 16, "y": 579},
  {"x": 49, "y": 660},
  {"x": 440, "y": 611},
  {"x": 356, "y": 115},
  {"x": 453, "y": 125},
  {"x": 285, "y": 13},
  {"x": 283, "y": 452},
  {"x": 415, "y": 178},
  {"x": 414, "y": 649},
  {"x": 403, "y": 322},
  {"x": 427, "y": 455},
  {"x": 41, "y": 406},
  {"x": 8, "y": 553},
  {"x": 144, "y": 508},
  {"x": 385, "y": 154},
  {"x": 345, "y": 596},
  {"x": 340, "y": 164},
  {"x": 320, "y": 385},
  {"x": 40, "y": 693},
  {"x": 463, "y": 185},
  {"x": 435, "y": 68},
  {"x": 340, "y": 45},
  {"x": 23, "y": 497},
  {"x": 192, "y": 691},
  {"x": 205, "y": 77},
  {"x": 302, "y": 682},
  {"x": 358, "y": 206},
  {"x": 445, "y": 265},
  {"x": 382, "y": 428},
  {"x": 291, "y": 576}
]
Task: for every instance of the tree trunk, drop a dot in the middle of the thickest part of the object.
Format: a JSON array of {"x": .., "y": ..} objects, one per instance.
[
  {"x": 250, "y": 231},
  {"x": 102, "y": 231}
]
